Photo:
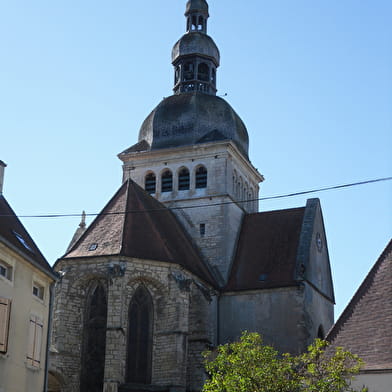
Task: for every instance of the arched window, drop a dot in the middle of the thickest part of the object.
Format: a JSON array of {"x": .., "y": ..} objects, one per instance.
[
  {"x": 140, "y": 332},
  {"x": 234, "y": 182},
  {"x": 203, "y": 72},
  {"x": 183, "y": 179},
  {"x": 177, "y": 73},
  {"x": 200, "y": 24},
  {"x": 189, "y": 71},
  {"x": 320, "y": 332},
  {"x": 201, "y": 177},
  {"x": 150, "y": 183},
  {"x": 94, "y": 341},
  {"x": 167, "y": 181},
  {"x": 213, "y": 76}
]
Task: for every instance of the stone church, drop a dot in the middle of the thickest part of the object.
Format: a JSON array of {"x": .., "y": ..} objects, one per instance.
[{"x": 180, "y": 260}]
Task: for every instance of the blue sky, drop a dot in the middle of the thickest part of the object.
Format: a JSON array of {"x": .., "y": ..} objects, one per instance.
[{"x": 312, "y": 80}]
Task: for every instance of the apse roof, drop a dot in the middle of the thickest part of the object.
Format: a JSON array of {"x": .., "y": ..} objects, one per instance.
[
  {"x": 365, "y": 326},
  {"x": 14, "y": 234},
  {"x": 267, "y": 250},
  {"x": 134, "y": 224}
]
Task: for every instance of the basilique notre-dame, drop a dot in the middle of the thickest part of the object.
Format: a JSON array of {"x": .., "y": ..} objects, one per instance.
[{"x": 180, "y": 260}]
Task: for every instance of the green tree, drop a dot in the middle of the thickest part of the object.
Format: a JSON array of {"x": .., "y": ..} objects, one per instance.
[{"x": 250, "y": 366}]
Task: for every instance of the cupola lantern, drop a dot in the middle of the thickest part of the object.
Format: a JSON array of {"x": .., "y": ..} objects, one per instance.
[{"x": 195, "y": 56}]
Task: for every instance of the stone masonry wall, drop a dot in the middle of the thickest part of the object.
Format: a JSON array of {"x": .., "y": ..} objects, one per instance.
[{"x": 171, "y": 290}]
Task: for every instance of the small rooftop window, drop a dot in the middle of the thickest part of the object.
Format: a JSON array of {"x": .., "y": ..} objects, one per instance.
[
  {"x": 93, "y": 247},
  {"x": 263, "y": 277},
  {"x": 22, "y": 241}
]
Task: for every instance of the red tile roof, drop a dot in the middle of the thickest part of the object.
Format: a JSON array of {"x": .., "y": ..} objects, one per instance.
[
  {"x": 135, "y": 224},
  {"x": 365, "y": 326},
  {"x": 14, "y": 234},
  {"x": 267, "y": 250}
]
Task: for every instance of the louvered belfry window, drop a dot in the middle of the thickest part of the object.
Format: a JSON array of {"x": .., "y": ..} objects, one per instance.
[
  {"x": 167, "y": 181},
  {"x": 94, "y": 342},
  {"x": 150, "y": 183},
  {"x": 140, "y": 327},
  {"x": 201, "y": 177},
  {"x": 5, "y": 308},
  {"x": 183, "y": 179}
]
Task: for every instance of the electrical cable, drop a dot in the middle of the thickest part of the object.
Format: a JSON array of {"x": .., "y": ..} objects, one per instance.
[{"x": 210, "y": 204}]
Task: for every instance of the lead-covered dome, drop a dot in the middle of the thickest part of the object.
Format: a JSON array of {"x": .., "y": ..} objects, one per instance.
[
  {"x": 196, "y": 44},
  {"x": 196, "y": 5},
  {"x": 192, "y": 118}
]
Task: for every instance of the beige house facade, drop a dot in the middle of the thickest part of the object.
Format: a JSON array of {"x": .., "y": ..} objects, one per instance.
[{"x": 25, "y": 294}]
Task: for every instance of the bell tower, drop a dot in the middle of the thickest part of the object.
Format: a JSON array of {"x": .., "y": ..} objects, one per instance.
[{"x": 192, "y": 152}]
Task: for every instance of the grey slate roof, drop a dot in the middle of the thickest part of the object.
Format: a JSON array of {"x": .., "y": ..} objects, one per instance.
[
  {"x": 365, "y": 326},
  {"x": 185, "y": 119},
  {"x": 134, "y": 224},
  {"x": 14, "y": 235},
  {"x": 267, "y": 250}
]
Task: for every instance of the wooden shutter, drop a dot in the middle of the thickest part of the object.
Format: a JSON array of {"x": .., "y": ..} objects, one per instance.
[
  {"x": 5, "y": 308},
  {"x": 35, "y": 341}
]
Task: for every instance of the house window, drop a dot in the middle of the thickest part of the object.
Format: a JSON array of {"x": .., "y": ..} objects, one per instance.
[
  {"x": 5, "y": 310},
  {"x": 35, "y": 341},
  {"x": 183, "y": 179},
  {"x": 167, "y": 181},
  {"x": 5, "y": 270},
  {"x": 150, "y": 183},
  {"x": 201, "y": 177},
  {"x": 140, "y": 332},
  {"x": 202, "y": 229},
  {"x": 38, "y": 290}
]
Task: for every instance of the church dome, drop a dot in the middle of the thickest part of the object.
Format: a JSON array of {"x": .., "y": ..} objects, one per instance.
[
  {"x": 192, "y": 118},
  {"x": 196, "y": 44}
]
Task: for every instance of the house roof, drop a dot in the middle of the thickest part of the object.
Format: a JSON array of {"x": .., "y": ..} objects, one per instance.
[
  {"x": 134, "y": 224},
  {"x": 267, "y": 250},
  {"x": 365, "y": 326},
  {"x": 14, "y": 235}
]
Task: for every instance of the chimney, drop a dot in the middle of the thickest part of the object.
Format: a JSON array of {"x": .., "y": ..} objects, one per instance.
[{"x": 2, "y": 167}]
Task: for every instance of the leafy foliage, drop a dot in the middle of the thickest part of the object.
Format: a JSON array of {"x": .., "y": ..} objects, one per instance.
[{"x": 250, "y": 366}]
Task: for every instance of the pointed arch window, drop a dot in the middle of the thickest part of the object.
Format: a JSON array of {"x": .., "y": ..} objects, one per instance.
[
  {"x": 140, "y": 332},
  {"x": 94, "y": 341},
  {"x": 183, "y": 179},
  {"x": 150, "y": 183},
  {"x": 167, "y": 181},
  {"x": 201, "y": 177}
]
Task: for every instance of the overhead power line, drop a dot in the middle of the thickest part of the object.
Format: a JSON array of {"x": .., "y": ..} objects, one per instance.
[{"x": 284, "y": 196}]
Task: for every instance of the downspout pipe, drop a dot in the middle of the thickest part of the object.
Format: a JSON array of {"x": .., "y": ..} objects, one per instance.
[{"x": 49, "y": 335}]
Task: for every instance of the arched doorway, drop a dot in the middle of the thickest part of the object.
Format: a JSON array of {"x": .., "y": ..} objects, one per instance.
[{"x": 140, "y": 330}]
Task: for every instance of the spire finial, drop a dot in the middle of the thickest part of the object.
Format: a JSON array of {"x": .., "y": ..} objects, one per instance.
[
  {"x": 83, "y": 220},
  {"x": 197, "y": 14}
]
